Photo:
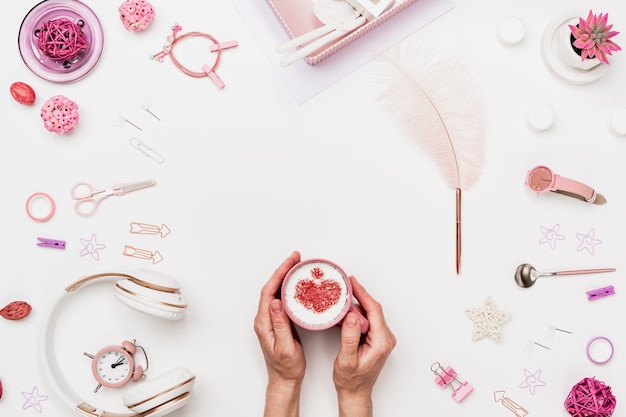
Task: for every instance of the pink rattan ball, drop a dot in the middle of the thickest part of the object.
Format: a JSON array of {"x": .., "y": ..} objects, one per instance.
[
  {"x": 590, "y": 398},
  {"x": 136, "y": 15},
  {"x": 59, "y": 114},
  {"x": 61, "y": 39}
]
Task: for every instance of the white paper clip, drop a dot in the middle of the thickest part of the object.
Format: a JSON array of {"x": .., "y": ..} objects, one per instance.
[
  {"x": 146, "y": 150},
  {"x": 600, "y": 292},
  {"x": 446, "y": 377}
]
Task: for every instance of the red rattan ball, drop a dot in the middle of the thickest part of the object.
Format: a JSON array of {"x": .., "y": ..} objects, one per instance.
[{"x": 590, "y": 398}]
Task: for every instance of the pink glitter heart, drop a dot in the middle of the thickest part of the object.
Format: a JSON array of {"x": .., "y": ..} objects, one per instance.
[{"x": 318, "y": 294}]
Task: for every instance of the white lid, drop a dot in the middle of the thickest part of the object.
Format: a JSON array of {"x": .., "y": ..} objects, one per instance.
[
  {"x": 540, "y": 116},
  {"x": 511, "y": 31}
]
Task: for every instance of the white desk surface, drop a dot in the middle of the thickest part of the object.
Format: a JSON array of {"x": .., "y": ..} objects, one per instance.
[{"x": 250, "y": 175}]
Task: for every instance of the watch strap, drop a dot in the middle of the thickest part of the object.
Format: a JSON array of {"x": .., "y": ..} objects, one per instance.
[{"x": 574, "y": 188}]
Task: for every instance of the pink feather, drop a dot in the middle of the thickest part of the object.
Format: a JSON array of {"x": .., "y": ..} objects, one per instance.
[{"x": 439, "y": 104}]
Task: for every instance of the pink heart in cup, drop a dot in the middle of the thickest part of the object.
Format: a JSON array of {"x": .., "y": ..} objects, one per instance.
[{"x": 318, "y": 294}]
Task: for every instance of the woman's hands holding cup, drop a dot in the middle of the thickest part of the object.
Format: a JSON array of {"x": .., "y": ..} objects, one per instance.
[
  {"x": 358, "y": 364},
  {"x": 284, "y": 357}
]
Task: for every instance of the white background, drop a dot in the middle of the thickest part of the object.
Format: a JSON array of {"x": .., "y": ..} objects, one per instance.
[{"x": 250, "y": 175}]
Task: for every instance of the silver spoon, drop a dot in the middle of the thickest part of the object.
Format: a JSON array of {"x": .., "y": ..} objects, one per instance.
[{"x": 526, "y": 274}]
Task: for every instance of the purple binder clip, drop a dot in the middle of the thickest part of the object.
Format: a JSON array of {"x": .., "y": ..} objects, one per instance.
[{"x": 600, "y": 292}]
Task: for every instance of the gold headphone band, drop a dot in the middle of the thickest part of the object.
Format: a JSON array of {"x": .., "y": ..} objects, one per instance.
[
  {"x": 165, "y": 392},
  {"x": 91, "y": 411},
  {"x": 149, "y": 299},
  {"x": 153, "y": 286},
  {"x": 84, "y": 280}
]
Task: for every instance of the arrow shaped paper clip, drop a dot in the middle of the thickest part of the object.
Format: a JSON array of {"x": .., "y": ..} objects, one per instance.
[
  {"x": 148, "y": 229},
  {"x": 515, "y": 408},
  {"x": 142, "y": 254}
]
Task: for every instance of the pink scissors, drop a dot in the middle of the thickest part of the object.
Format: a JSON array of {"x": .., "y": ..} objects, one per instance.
[{"x": 89, "y": 197}]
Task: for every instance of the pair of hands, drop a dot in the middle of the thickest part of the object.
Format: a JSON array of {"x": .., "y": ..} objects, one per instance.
[{"x": 356, "y": 367}]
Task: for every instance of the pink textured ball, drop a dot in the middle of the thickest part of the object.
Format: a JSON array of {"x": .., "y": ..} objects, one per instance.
[
  {"x": 136, "y": 15},
  {"x": 590, "y": 398},
  {"x": 59, "y": 114}
]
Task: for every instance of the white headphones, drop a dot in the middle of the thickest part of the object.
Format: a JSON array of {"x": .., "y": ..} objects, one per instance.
[{"x": 146, "y": 291}]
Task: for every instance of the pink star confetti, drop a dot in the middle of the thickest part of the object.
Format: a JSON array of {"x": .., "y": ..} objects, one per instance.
[
  {"x": 551, "y": 236},
  {"x": 487, "y": 320},
  {"x": 33, "y": 399},
  {"x": 532, "y": 380},
  {"x": 587, "y": 241},
  {"x": 91, "y": 247}
]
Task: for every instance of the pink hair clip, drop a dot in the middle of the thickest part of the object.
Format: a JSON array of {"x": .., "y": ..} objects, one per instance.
[{"x": 207, "y": 71}]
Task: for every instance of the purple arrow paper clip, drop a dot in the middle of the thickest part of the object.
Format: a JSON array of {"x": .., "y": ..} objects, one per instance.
[{"x": 600, "y": 292}]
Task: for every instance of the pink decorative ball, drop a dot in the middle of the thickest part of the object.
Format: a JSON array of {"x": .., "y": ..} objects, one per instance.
[
  {"x": 136, "y": 15},
  {"x": 590, "y": 398},
  {"x": 59, "y": 114},
  {"x": 61, "y": 39}
]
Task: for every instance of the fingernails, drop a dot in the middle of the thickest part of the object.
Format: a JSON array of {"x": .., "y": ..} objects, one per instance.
[
  {"x": 276, "y": 306},
  {"x": 351, "y": 320}
]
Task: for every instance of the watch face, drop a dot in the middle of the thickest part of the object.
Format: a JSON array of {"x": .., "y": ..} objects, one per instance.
[
  {"x": 113, "y": 367},
  {"x": 540, "y": 179}
]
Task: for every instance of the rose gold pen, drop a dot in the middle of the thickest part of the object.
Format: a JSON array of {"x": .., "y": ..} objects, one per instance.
[{"x": 458, "y": 230}]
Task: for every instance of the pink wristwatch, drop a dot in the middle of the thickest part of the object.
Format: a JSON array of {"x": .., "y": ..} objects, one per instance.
[{"x": 542, "y": 179}]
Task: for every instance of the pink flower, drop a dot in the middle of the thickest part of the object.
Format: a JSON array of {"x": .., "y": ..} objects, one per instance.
[{"x": 593, "y": 37}]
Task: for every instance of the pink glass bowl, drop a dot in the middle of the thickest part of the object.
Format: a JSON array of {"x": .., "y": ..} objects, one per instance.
[{"x": 49, "y": 68}]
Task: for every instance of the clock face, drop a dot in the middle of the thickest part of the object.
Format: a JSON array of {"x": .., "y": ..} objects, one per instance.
[
  {"x": 113, "y": 367},
  {"x": 540, "y": 179}
]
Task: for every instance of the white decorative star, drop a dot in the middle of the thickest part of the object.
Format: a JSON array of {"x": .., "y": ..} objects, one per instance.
[
  {"x": 532, "y": 380},
  {"x": 91, "y": 247},
  {"x": 33, "y": 399},
  {"x": 550, "y": 236},
  {"x": 487, "y": 320},
  {"x": 587, "y": 241}
]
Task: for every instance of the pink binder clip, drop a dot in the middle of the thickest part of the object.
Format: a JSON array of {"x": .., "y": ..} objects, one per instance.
[
  {"x": 600, "y": 292},
  {"x": 447, "y": 377}
]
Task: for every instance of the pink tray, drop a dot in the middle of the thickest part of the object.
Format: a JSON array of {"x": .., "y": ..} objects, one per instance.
[{"x": 297, "y": 18}]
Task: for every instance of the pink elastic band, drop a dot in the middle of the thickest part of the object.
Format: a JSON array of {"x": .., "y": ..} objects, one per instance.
[{"x": 46, "y": 197}]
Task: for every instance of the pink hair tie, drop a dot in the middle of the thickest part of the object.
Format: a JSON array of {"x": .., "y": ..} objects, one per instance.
[{"x": 207, "y": 71}]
